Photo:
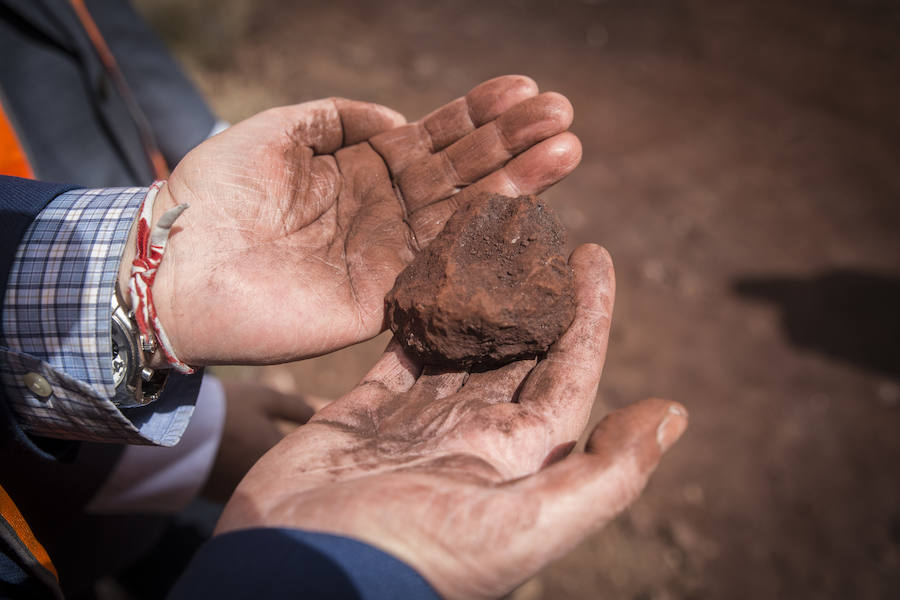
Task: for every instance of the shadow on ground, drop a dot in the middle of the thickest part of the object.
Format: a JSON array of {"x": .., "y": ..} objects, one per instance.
[{"x": 847, "y": 315}]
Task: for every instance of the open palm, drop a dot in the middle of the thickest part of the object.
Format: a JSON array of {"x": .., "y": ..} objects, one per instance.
[
  {"x": 301, "y": 217},
  {"x": 464, "y": 476}
]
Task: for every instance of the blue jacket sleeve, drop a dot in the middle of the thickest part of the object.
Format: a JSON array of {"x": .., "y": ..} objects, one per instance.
[
  {"x": 20, "y": 202},
  {"x": 289, "y": 563}
]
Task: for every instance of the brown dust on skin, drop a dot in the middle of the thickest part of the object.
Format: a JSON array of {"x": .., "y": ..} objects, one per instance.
[
  {"x": 444, "y": 470},
  {"x": 336, "y": 248}
]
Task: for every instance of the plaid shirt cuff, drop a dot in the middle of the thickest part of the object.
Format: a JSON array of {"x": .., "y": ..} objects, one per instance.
[{"x": 56, "y": 323}]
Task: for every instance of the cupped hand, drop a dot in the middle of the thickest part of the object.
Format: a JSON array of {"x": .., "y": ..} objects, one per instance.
[
  {"x": 301, "y": 217},
  {"x": 464, "y": 476}
]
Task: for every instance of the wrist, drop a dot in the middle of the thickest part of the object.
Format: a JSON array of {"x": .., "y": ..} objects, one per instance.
[
  {"x": 163, "y": 201},
  {"x": 125, "y": 263}
]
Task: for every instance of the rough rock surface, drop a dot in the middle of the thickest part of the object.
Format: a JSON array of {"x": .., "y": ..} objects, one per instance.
[{"x": 493, "y": 287}]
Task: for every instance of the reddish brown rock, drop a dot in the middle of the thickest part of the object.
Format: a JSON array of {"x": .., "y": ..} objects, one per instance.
[{"x": 493, "y": 287}]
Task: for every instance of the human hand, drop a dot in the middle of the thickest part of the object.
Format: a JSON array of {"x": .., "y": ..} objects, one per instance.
[
  {"x": 256, "y": 418},
  {"x": 301, "y": 217},
  {"x": 464, "y": 476}
]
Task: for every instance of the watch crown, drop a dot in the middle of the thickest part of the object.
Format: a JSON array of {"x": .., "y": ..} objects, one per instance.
[
  {"x": 136, "y": 384},
  {"x": 148, "y": 344}
]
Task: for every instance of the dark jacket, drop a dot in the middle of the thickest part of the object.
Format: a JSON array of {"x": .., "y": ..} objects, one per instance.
[
  {"x": 71, "y": 118},
  {"x": 76, "y": 126}
]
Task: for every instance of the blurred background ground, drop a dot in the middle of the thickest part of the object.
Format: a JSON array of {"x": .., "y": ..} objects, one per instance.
[{"x": 742, "y": 165}]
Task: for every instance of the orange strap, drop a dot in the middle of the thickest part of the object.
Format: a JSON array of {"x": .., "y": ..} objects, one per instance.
[
  {"x": 15, "y": 519},
  {"x": 12, "y": 158}
]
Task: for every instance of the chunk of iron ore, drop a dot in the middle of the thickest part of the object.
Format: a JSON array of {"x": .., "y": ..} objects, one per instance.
[{"x": 493, "y": 287}]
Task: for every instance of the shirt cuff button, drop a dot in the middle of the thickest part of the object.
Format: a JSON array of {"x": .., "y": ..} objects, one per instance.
[{"x": 38, "y": 384}]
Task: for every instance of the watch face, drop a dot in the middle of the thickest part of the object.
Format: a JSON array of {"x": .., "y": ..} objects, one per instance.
[
  {"x": 121, "y": 349},
  {"x": 135, "y": 384}
]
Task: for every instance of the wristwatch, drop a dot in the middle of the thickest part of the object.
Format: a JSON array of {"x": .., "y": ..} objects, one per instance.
[{"x": 136, "y": 383}]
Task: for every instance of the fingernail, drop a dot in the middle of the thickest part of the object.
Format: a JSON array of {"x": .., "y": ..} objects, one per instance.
[{"x": 671, "y": 427}]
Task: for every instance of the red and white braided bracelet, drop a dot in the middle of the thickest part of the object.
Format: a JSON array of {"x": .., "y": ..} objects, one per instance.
[{"x": 151, "y": 244}]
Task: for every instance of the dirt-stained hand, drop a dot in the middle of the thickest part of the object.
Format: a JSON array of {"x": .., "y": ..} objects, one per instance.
[
  {"x": 301, "y": 217},
  {"x": 465, "y": 476}
]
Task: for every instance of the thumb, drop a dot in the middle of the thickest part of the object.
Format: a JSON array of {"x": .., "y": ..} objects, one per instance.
[
  {"x": 579, "y": 494},
  {"x": 332, "y": 123},
  {"x": 362, "y": 120}
]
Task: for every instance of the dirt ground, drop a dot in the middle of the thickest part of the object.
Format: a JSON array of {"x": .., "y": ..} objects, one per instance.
[{"x": 742, "y": 165}]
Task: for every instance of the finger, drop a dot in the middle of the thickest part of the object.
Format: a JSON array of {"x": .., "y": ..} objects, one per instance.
[
  {"x": 362, "y": 120},
  {"x": 561, "y": 389},
  {"x": 612, "y": 433},
  {"x": 484, "y": 150},
  {"x": 531, "y": 172},
  {"x": 371, "y": 401},
  {"x": 396, "y": 371},
  {"x": 534, "y": 171},
  {"x": 499, "y": 385},
  {"x": 582, "y": 492},
  {"x": 435, "y": 384},
  {"x": 405, "y": 145},
  {"x": 329, "y": 124}
]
